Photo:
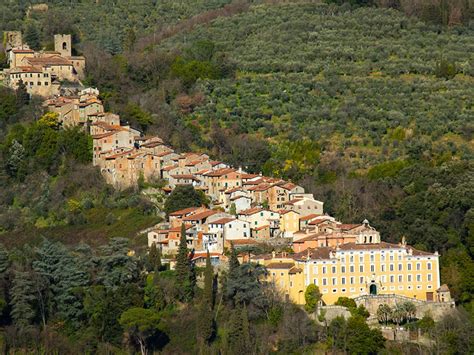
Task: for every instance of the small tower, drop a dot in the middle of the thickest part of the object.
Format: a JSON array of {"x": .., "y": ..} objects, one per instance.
[{"x": 63, "y": 44}]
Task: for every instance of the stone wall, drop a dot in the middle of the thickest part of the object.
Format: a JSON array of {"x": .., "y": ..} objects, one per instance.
[
  {"x": 331, "y": 312},
  {"x": 435, "y": 309}
]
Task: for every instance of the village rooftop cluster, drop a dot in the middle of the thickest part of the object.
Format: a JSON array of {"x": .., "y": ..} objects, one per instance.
[{"x": 347, "y": 260}]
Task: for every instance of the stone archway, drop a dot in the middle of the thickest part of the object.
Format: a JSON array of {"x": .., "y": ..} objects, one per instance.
[{"x": 373, "y": 289}]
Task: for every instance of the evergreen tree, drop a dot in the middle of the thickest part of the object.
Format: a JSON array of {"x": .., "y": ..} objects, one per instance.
[
  {"x": 205, "y": 324},
  {"x": 209, "y": 282},
  {"x": 4, "y": 259},
  {"x": 32, "y": 36},
  {"x": 116, "y": 266},
  {"x": 233, "y": 260},
  {"x": 184, "y": 276},
  {"x": 15, "y": 159},
  {"x": 22, "y": 299},
  {"x": 63, "y": 276},
  {"x": 235, "y": 331},
  {"x": 246, "y": 340},
  {"x": 154, "y": 258},
  {"x": 22, "y": 96},
  {"x": 154, "y": 297}
]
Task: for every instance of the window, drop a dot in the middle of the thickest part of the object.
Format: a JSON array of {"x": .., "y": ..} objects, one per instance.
[
  {"x": 325, "y": 282},
  {"x": 315, "y": 281},
  {"x": 361, "y": 268},
  {"x": 372, "y": 268},
  {"x": 351, "y": 259},
  {"x": 361, "y": 279},
  {"x": 400, "y": 278},
  {"x": 409, "y": 267},
  {"x": 324, "y": 269},
  {"x": 333, "y": 270},
  {"x": 343, "y": 280},
  {"x": 372, "y": 258},
  {"x": 418, "y": 278},
  {"x": 46, "y": 83},
  {"x": 315, "y": 270},
  {"x": 352, "y": 280},
  {"x": 343, "y": 269},
  {"x": 392, "y": 278},
  {"x": 351, "y": 268},
  {"x": 409, "y": 278},
  {"x": 361, "y": 259},
  {"x": 391, "y": 257},
  {"x": 382, "y": 267},
  {"x": 391, "y": 267},
  {"x": 400, "y": 267},
  {"x": 384, "y": 278},
  {"x": 39, "y": 83},
  {"x": 418, "y": 266},
  {"x": 429, "y": 277},
  {"x": 428, "y": 266},
  {"x": 334, "y": 281}
]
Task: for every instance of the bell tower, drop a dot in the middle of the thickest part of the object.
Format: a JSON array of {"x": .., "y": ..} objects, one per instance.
[{"x": 62, "y": 44}]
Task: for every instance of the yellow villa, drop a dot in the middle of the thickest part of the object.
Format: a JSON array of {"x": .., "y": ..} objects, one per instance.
[{"x": 356, "y": 269}]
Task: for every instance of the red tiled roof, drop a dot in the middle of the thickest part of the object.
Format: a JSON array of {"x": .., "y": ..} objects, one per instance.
[
  {"x": 199, "y": 216},
  {"x": 249, "y": 176},
  {"x": 220, "y": 172},
  {"x": 184, "y": 211},
  {"x": 251, "y": 211},
  {"x": 45, "y": 61},
  {"x": 310, "y": 216},
  {"x": 280, "y": 265},
  {"x": 184, "y": 176},
  {"x": 224, "y": 220},
  {"x": 118, "y": 155},
  {"x": 261, "y": 227},
  {"x": 239, "y": 197},
  {"x": 347, "y": 226},
  {"x": 23, "y": 51}
]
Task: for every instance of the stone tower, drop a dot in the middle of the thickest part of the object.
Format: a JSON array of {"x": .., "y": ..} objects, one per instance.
[{"x": 62, "y": 44}]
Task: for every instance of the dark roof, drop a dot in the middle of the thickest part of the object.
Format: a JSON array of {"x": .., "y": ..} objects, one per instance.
[{"x": 280, "y": 265}]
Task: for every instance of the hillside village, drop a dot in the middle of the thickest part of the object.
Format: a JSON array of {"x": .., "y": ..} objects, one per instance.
[
  {"x": 44, "y": 73},
  {"x": 245, "y": 209}
]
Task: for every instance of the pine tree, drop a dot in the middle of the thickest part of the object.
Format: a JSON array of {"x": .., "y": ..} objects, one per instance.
[{"x": 184, "y": 275}]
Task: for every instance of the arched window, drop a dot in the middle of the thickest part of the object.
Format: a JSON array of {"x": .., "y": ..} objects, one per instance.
[{"x": 64, "y": 45}]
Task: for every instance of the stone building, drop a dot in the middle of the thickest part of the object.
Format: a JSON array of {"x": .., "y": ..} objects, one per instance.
[{"x": 365, "y": 267}]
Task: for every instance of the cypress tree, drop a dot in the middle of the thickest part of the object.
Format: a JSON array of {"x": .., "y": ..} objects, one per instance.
[
  {"x": 235, "y": 334},
  {"x": 246, "y": 342},
  {"x": 22, "y": 96},
  {"x": 233, "y": 261},
  {"x": 184, "y": 275},
  {"x": 154, "y": 258},
  {"x": 209, "y": 281},
  {"x": 206, "y": 324}
]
